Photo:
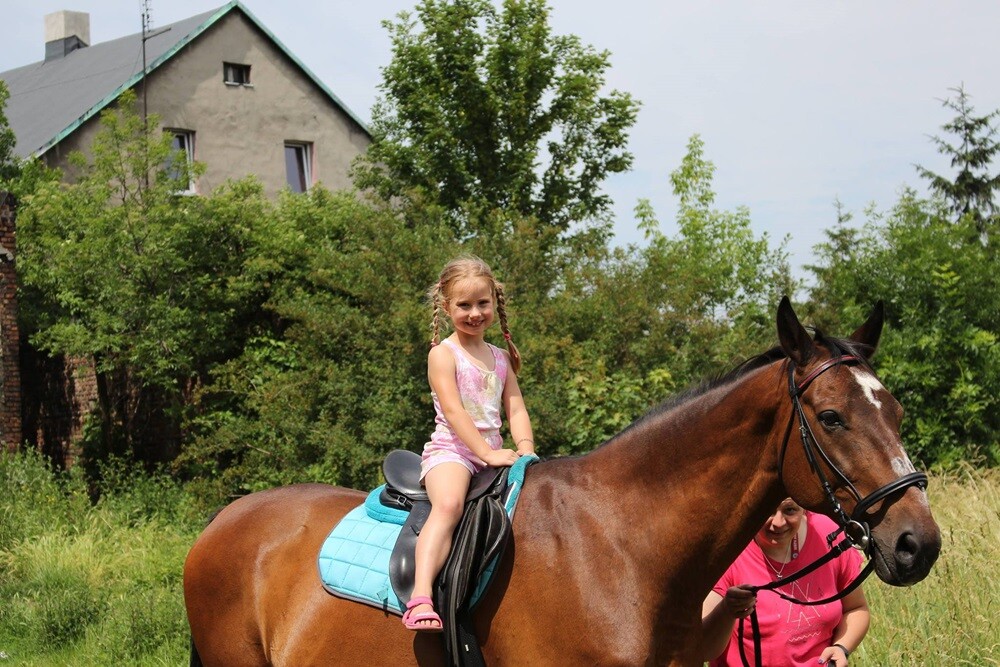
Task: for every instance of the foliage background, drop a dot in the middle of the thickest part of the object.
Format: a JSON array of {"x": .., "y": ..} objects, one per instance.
[
  {"x": 241, "y": 343},
  {"x": 249, "y": 342}
]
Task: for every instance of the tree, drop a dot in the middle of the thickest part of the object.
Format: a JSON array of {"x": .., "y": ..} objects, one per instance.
[
  {"x": 718, "y": 282},
  {"x": 8, "y": 161},
  {"x": 972, "y": 192},
  {"x": 326, "y": 395},
  {"x": 484, "y": 109},
  {"x": 145, "y": 284},
  {"x": 940, "y": 354},
  {"x": 833, "y": 304},
  {"x": 627, "y": 326}
]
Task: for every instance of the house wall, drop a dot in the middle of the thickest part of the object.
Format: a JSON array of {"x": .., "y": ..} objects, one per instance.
[{"x": 242, "y": 130}]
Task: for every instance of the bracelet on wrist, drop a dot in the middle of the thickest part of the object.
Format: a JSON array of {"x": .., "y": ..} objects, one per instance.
[
  {"x": 518, "y": 443},
  {"x": 847, "y": 654}
]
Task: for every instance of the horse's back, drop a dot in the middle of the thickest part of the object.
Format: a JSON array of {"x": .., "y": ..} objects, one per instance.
[
  {"x": 251, "y": 557},
  {"x": 254, "y": 595}
]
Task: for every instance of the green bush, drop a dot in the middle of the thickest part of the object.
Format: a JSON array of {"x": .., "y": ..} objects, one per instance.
[{"x": 940, "y": 354}]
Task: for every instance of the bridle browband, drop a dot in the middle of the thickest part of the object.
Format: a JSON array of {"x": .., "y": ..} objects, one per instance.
[{"x": 854, "y": 527}]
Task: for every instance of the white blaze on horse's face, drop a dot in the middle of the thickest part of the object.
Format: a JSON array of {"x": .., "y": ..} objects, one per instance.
[{"x": 869, "y": 384}]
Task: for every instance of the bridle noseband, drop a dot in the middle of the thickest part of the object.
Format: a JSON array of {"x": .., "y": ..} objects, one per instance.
[{"x": 855, "y": 528}]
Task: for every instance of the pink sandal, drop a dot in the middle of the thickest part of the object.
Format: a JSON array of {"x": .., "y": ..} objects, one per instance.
[{"x": 414, "y": 621}]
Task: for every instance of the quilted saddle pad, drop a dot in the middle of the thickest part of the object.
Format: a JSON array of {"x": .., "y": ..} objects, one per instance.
[{"x": 354, "y": 559}]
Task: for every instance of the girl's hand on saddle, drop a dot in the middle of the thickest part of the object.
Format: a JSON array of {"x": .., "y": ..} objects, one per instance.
[
  {"x": 740, "y": 601},
  {"x": 500, "y": 458}
]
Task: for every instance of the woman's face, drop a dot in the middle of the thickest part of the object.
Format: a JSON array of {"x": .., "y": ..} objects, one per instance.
[{"x": 781, "y": 526}]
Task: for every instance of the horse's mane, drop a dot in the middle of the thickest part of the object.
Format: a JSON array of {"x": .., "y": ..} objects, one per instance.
[{"x": 836, "y": 346}]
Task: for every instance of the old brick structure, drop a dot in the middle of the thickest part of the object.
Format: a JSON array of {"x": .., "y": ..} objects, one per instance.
[
  {"x": 10, "y": 337},
  {"x": 43, "y": 400}
]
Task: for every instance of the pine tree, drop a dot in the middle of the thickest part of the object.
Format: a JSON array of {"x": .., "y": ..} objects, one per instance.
[{"x": 972, "y": 190}]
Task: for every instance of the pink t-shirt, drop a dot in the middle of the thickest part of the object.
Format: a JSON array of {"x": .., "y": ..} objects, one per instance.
[{"x": 791, "y": 634}]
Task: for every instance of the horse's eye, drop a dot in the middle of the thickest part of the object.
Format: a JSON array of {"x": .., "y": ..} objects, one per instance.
[{"x": 830, "y": 419}]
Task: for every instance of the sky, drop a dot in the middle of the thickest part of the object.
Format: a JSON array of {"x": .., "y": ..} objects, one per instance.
[{"x": 800, "y": 103}]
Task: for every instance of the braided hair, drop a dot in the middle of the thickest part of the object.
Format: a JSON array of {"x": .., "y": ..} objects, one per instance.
[{"x": 461, "y": 268}]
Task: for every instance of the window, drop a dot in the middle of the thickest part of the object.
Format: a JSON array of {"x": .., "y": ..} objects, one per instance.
[
  {"x": 235, "y": 74},
  {"x": 298, "y": 166},
  {"x": 183, "y": 146}
]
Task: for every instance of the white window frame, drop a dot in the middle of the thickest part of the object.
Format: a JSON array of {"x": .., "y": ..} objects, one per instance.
[
  {"x": 183, "y": 140},
  {"x": 236, "y": 74},
  {"x": 303, "y": 152}
]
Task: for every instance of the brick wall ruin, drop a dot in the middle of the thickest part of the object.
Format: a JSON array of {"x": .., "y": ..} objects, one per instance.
[{"x": 10, "y": 337}]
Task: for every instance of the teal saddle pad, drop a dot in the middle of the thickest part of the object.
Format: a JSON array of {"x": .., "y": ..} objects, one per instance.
[{"x": 354, "y": 559}]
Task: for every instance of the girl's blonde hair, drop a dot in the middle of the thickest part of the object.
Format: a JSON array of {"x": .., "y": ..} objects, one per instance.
[{"x": 461, "y": 268}]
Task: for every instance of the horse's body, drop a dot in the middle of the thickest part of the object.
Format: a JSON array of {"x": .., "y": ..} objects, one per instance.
[{"x": 612, "y": 553}]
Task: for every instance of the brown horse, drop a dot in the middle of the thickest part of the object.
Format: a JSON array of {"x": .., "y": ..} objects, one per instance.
[{"x": 612, "y": 552}]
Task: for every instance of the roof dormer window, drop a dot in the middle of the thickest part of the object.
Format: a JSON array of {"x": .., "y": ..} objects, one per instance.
[{"x": 236, "y": 74}]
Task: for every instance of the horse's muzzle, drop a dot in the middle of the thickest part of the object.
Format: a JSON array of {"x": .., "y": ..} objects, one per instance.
[{"x": 912, "y": 557}]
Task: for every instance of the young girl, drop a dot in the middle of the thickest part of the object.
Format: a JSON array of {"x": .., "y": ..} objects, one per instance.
[{"x": 469, "y": 379}]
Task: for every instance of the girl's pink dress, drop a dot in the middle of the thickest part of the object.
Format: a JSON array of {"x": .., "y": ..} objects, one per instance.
[{"x": 481, "y": 392}]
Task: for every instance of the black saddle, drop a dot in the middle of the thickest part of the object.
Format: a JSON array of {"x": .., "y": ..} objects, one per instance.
[
  {"x": 401, "y": 469},
  {"x": 479, "y": 538}
]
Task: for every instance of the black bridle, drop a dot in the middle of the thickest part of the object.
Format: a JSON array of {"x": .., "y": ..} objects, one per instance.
[{"x": 854, "y": 528}]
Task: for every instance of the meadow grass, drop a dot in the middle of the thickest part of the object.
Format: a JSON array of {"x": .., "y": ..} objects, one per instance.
[
  {"x": 85, "y": 584},
  {"x": 92, "y": 584},
  {"x": 953, "y": 616}
]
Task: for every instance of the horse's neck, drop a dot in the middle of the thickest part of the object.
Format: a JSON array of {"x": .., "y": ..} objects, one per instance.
[{"x": 696, "y": 481}]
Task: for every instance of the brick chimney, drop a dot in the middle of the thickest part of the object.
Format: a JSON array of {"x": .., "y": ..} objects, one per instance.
[{"x": 65, "y": 32}]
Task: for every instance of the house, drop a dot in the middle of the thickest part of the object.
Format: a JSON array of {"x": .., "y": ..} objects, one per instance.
[{"x": 231, "y": 94}]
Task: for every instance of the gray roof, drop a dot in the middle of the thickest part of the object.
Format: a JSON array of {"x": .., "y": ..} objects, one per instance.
[{"x": 49, "y": 100}]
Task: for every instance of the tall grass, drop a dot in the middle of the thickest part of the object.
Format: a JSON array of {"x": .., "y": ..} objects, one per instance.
[
  {"x": 953, "y": 616},
  {"x": 100, "y": 584},
  {"x": 92, "y": 584}
]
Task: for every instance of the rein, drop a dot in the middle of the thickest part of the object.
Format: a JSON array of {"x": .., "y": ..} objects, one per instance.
[{"x": 855, "y": 529}]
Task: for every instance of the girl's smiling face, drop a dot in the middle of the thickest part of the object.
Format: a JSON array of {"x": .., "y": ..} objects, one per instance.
[{"x": 470, "y": 306}]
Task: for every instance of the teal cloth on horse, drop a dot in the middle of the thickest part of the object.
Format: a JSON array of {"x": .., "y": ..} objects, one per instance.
[{"x": 354, "y": 559}]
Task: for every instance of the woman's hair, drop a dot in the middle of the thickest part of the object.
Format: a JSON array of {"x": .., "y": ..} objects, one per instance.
[{"x": 461, "y": 268}]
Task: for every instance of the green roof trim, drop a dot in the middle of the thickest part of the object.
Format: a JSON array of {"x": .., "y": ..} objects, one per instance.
[{"x": 187, "y": 39}]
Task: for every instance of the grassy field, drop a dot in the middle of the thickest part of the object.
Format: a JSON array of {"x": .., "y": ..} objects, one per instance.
[
  {"x": 87, "y": 585},
  {"x": 953, "y": 616}
]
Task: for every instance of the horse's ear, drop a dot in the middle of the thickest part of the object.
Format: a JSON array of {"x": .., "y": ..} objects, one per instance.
[
  {"x": 869, "y": 333},
  {"x": 794, "y": 338}
]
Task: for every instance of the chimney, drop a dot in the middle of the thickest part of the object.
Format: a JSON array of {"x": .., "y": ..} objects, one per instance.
[{"x": 65, "y": 32}]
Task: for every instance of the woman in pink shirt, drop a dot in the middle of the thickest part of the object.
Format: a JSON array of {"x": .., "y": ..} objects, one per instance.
[{"x": 793, "y": 635}]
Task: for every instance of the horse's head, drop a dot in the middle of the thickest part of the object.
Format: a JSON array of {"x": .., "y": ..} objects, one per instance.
[{"x": 846, "y": 431}]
